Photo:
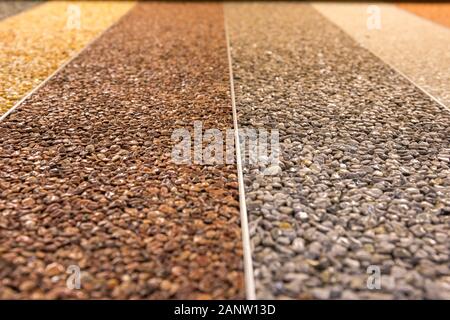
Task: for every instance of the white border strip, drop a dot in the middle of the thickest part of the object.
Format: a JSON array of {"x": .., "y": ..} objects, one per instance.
[
  {"x": 69, "y": 60},
  {"x": 248, "y": 264}
]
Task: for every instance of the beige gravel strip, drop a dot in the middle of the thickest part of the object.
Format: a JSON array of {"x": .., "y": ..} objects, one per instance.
[
  {"x": 416, "y": 47},
  {"x": 32, "y": 47}
]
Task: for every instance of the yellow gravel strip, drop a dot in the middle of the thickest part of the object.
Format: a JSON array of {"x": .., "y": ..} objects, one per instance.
[
  {"x": 35, "y": 43},
  {"x": 417, "y": 47}
]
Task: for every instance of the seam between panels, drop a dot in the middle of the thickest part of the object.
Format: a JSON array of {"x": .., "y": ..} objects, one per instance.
[
  {"x": 248, "y": 263},
  {"x": 391, "y": 66},
  {"x": 62, "y": 66},
  {"x": 415, "y": 15}
]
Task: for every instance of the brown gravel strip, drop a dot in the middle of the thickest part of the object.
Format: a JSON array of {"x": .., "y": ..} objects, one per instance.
[
  {"x": 365, "y": 163},
  {"x": 9, "y": 8},
  {"x": 86, "y": 176}
]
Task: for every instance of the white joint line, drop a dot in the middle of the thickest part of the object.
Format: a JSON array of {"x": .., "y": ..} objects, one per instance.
[
  {"x": 61, "y": 67},
  {"x": 248, "y": 264},
  {"x": 441, "y": 104}
]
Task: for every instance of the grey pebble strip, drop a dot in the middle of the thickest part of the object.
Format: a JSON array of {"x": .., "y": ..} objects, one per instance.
[
  {"x": 10, "y": 8},
  {"x": 365, "y": 178}
]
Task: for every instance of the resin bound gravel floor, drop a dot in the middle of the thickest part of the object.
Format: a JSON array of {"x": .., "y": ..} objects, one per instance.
[
  {"x": 364, "y": 157},
  {"x": 9, "y": 8},
  {"x": 32, "y": 48},
  {"x": 86, "y": 176}
]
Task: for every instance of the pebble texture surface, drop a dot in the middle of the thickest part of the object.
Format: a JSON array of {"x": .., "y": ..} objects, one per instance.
[
  {"x": 9, "y": 8},
  {"x": 365, "y": 162},
  {"x": 86, "y": 174},
  {"x": 35, "y": 43},
  {"x": 438, "y": 12},
  {"x": 415, "y": 46}
]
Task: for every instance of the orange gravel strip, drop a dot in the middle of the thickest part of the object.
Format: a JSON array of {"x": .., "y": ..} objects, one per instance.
[{"x": 437, "y": 12}]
